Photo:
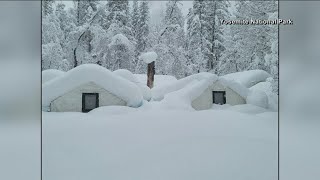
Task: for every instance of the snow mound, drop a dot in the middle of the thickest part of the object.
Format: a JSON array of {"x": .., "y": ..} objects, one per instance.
[
  {"x": 126, "y": 74},
  {"x": 235, "y": 86},
  {"x": 182, "y": 98},
  {"x": 82, "y": 74},
  {"x": 148, "y": 57},
  {"x": 112, "y": 110},
  {"x": 248, "y": 78},
  {"x": 258, "y": 98},
  {"x": 159, "y": 92},
  {"x": 120, "y": 39},
  {"x": 50, "y": 74},
  {"x": 159, "y": 80},
  {"x": 248, "y": 109},
  {"x": 145, "y": 90},
  {"x": 272, "y": 97}
]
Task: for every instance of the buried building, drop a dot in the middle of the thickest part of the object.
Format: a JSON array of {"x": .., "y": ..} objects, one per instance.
[
  {"x": 220, "y": 92},
  {"x": 201, "y": 91},
  {"x": 87, "y": 87}
]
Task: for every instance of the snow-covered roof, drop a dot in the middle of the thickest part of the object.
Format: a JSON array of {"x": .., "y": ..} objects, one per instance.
[
  {"x": 50, "y": 74},
  {"x": 159, "y": 92},
  {"x": 235, "y": 86},
  {"x": 148, "y": 57},
  {"x": 183, "y": 97},
  {"x": 193, "y": 81},
  {"x": 159, "y": 80},
  {"x": 248, "y": 78},
  {"x": 101, "y": 76},
  {"x": 126, "y": 74}
]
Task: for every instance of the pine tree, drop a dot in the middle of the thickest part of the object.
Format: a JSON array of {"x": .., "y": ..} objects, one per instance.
[
  {"x": 135, "y": 19},
  {"x": 47, "y": 7},
  {"x": 142, "y": 34},
  {"x": 117, "y": 16},
  {"x": 84, "y": 10},
  {"x": 216, "y": 11},
  {"x": 52, "y": 35},
  {"x": 144, "y": 26},
  {"x": 135, "y": 29},
  {"x": 253, "y": 41}
]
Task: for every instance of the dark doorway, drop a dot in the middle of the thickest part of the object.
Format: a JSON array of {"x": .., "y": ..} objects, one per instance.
[
  {"x": 89, "y": 101},
  {"x": 219, "y": 97}
]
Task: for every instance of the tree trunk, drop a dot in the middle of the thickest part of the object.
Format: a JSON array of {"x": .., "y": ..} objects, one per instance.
[
  {"x": 75, "y": 61},
  {"x": 151, "y": 72}
]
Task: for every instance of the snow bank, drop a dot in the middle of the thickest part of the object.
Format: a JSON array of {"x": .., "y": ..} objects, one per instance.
[
  {"x": 145, "y": 90},
  {"x": 159, "y": 80},
  {"x": 258, "y": 98},
  {"x": 272, "y": 97},
  {"x": 159, "y": 92},
  {"x": 247, "y": 109},
  {"x": 148, "y": 57},
  {"x": 248, "y": 78},
  {"x": 182, "y": 99},
  {"x": 82, "y": 74},
  {"x": 50, "y": 74}
]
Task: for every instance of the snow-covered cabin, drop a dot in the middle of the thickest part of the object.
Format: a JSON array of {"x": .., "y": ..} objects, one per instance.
[
  {"x": 201, "y": 91},
  {"x": 87, "y": 87},
  {"x": 220, "y": 92}
]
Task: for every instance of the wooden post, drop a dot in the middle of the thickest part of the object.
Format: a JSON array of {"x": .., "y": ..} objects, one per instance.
[{"x": 151, "y": 72}]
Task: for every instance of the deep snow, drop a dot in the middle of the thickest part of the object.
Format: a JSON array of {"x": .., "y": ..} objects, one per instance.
[
  {"x": 165, "y": 140},
  {"x": 120, "y": 143}
]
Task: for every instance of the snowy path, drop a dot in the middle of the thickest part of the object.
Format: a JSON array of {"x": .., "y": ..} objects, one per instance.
[{"x": 121, "y": 143}]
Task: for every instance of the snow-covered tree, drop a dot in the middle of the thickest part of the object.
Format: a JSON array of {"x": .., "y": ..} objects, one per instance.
[
  {"x": 52, "y": 35},
  {"x": 196, "y": 61},
  {"x": 143, "y": 26},
  {"x": 216, "y": 11},
  {"x": 121, "y": 51},
  {"x": 84, "y": 10},
  {"x": 47, "y": 7}
]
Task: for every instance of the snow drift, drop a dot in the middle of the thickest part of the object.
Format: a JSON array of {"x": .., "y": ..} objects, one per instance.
[
  {"x": 50, "y": 74},
  {"x": 159, "y": 92},
  {"x": 145, "y": 90},
  {"x": 159, "y": 80},
  {"x": 248, "y": 78}
]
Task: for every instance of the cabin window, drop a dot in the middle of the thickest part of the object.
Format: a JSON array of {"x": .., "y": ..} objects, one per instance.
[
  {"x": 89, "y": 101},
  {"x": 219, "y": 97}
]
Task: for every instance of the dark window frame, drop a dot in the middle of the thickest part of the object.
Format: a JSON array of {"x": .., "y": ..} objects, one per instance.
[
  {"x": 83, "y": 101},
  {"x": 224, "y": 96}
]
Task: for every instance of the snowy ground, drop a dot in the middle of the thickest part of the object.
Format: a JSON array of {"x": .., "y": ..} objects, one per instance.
[{"x": 148, "y": 143}]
